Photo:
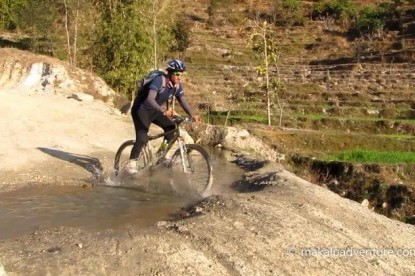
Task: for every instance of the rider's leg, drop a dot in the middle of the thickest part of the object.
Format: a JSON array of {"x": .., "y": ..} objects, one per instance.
[
  {"x": 166, "y": 124},
  {"x": 142, "y": 120}
]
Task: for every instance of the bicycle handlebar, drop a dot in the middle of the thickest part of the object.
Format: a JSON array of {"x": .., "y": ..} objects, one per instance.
[{"x": 178, "y": 119}]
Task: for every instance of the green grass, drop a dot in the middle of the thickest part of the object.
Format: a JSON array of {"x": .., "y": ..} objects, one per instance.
[
  {"x": 352, "y": 118},
  {"x": 371, "y": 156}
]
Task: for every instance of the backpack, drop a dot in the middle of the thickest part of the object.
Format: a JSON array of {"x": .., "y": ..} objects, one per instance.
[
  {"x": 143, "y": 83},
  {"x": 142, "y": 87}
]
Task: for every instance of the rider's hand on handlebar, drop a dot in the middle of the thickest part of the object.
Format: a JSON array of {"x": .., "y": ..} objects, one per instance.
[
  {"x": 170, "y": 113},
  {"x": 196, "y": 119}
]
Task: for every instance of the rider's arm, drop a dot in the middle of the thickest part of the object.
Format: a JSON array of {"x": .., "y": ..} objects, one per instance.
[
  {"x": 185, "y": 105},
  {"x": 182, "y": 100},
  {"x": 151, "y": 100},
  {"x": 154, "y": 87}
]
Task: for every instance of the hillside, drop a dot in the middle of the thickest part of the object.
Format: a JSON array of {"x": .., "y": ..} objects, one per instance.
[
  {"x": 339, "y": 93},
  {"x": 324, "y": 87}
]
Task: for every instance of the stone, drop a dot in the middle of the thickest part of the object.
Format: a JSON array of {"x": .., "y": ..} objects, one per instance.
[
  {"x": 2, "y": 271},
  {"x": 365, "y": 203}
]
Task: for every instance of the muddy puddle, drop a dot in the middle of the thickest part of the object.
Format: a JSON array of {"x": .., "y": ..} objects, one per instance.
[{"x": 101, "y": 207}]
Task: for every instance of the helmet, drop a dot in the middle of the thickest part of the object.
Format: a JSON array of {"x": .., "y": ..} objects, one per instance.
[{"x": 176, "y": 65}]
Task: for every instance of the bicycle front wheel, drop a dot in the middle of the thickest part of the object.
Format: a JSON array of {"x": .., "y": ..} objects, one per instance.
[{"x": 195, "y": 167}]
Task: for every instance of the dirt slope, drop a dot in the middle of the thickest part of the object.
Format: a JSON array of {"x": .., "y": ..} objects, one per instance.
[{"x": 274, "y": 223}]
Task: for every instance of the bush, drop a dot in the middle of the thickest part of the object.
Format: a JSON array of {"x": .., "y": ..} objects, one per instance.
[
  {"x": 343, "y": 10},
  {"x": 181, "y": 32},
  {"x": 292, "y": 13},
  {"x": 371, "y": 20}
]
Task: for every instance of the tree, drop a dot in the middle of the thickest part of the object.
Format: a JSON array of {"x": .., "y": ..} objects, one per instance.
[
  {"x": 130, "y": 39},
  {"x": 40, "y": 20},
  {"x": 261, "y": 41},
  {"x": 72, "y": 10},
  {"x": 121, "y": 40},
  {"x": 55, "y": 27},
  {"x": 121, "y": 49},
  {"x": 160, "y": 28},
  {"x": 9, "y": 10}
]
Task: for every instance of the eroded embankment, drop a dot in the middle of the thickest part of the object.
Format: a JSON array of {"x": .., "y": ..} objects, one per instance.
[
  {"x": 387, "y": 189},
  {"x": 25, "y": 71}
]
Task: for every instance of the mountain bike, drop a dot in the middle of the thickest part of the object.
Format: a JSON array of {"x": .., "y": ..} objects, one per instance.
[{"x": 189, "y": 162}]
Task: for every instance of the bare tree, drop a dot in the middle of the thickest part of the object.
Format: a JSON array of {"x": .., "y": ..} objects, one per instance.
[
  {"x": 159, "y": 6},
  {"x": 68, "y": 43},
  {"x": 75, "y": 38},
  {"x": 72, "y": 48},
  {"x": 261, "y": 40}
]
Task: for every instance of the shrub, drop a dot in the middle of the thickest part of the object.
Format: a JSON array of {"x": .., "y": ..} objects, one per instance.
[
  {"x": 340, "y": 10},
  {"x": 371, "y": 20},
  {"x": 181, "y": 32},
  {"x": 291, "y": 12}
]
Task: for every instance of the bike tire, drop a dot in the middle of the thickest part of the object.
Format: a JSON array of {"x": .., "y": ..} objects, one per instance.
[
  {"x": 123, "y": 156},
  {"x": 199, "y": 175}
]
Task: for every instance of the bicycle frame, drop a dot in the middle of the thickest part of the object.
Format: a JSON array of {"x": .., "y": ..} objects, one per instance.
[{"x": 177, "y": 137}]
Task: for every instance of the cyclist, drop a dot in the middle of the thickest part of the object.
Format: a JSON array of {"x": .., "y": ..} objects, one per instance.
[{"x": 147, "y": 107}]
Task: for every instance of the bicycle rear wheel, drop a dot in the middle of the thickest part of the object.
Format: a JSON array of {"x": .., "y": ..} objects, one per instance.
[
  {"x": 122, "y": 158},
  {"x": 195, "y": 170}
]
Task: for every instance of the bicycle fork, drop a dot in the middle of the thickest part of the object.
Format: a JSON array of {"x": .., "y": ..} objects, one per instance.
[{"x": 183, "y": 154}]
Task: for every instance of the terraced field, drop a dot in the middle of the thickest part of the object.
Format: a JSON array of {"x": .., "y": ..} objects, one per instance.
[{"x": 335, "y": 98}]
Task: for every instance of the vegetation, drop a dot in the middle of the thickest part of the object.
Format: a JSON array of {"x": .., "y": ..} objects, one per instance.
[
  {"x": 340, "y": 10},
  {"x": 119, "y": 40},
  {"x": 370, "y": 156},
  {"x": 261, "y": 40},
  {"x": 122, "y": 50}
]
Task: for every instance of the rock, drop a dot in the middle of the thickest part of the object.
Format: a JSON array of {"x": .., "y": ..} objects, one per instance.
[
  {"x": 235, "y": 139},
  {"x": 182, "y": 230},
  {"x": 372, "y": 112},
  {"x": 162, "y": 224},
  {"x": 55, "y": 249},
  {"x": 2, "y": 271},
  {"x": 365, "y": 203},
  {"x": 333, "y": 185}
]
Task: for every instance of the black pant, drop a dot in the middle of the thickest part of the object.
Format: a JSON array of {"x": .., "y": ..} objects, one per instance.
[{"x": 142, "y": 119}]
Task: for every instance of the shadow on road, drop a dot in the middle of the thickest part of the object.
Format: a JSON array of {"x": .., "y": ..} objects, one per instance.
[{"x": 91, "y": 164}]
